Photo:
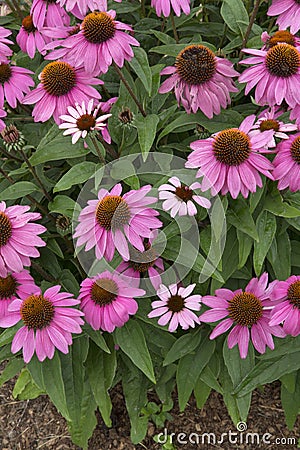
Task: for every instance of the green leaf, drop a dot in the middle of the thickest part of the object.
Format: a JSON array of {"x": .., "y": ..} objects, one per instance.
[
  {"x": 81, "y": 404},
  {"x": 237, "y": 367},
  {"x": 189, "y": 369},
  {"x": 25, "y": 388},
  {"x": 275, "y": 204},
  {"x": 7, "y": 335},
  {"x": 295, "y": 245},
  {"x": 185, "y": 344},
  {"x": 11, "y": 369},
  {"x": 266, "y": 228},
  {"x": 140, "y": 65},
  {"x": 135, "y": 387},
  {"x": 48, "y": 376},
  {"x": 77, "y": 174},
  {"x": 201, "y": 392},
  {"x": 63, "y": 205},
  {"x": 54, "y": 146},
  {"x": 268, "y": 371},
  {"x": 146, "y": 128},
  {"x": 101, "y": 368},
  {"x": 18, "y": 190},
  {"x": 235, "y": 15},
  {"x": 291, "y": 403},
  {"x": 239, "y": 216},
  {"x": 132, "y": 341},
  {"x": 245, "y": 246},
  {"x": 282, "y": 347},
  {"x": 69, "y": 282},
  {"x": 279, "y": 256},
  {"x": 96, "y": 337}
]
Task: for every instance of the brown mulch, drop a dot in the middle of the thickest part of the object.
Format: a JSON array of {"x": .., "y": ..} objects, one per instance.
[{"x": 35, "y": 424}]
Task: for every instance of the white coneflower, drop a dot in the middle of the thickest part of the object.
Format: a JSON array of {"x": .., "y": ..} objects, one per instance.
[
  {"x": 179, "y": 198},
  {"x": 82, "y": 119}
]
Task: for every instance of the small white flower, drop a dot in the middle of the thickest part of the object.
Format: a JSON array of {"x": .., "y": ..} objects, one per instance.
[
  {"x": 82, "y": 120},
  {"x": 179, "y": 198}
]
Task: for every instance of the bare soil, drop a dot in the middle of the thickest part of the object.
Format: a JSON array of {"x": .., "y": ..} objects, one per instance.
[{"x": 35, "y": 424}]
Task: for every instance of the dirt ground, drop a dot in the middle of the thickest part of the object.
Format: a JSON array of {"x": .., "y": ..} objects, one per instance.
[{"x": 35, "y": 424}]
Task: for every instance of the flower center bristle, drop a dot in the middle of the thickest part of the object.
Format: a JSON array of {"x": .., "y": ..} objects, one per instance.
[
  {"x": 27, "y": 24},
  {"x": 5, "y": 72},
  {"x": 86, "y": 122},
  {"x": 112, "y": 212},
  {"x": 142, "y": 261},
  {"x": 281, "y": 36},
  {"x": 98, "y": 27},
  {"x": 8, "y": 287},
  {"x": 104, "y": 291},
  {"x": 58, "y": 78},
  {"x": 184, "y": 193},
  {"x": 245, "y": 309},
  {"x": 5, "y": 229},
  {"x": 175, "y": 303},
  {"x": 295, "y": 150},
  {"x": 293, "y": 294},
  {"x": 283, "y": 60},
  {"x": 196, "y": 64},
  {"x": 269, "y": 124},
  {"x": 37, "y": 312},
  {"x": 232, "y": 147}
]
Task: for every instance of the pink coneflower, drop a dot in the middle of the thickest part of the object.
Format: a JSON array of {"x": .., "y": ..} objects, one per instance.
[
  {"x": 163, "y": 7},
  {"x": 79, "y": 8},
  {"x": 288, "y": 310},
  {"x": 30, "y": 38},
  {"x": 82, "y": 120},
  {"x": 246, "y": 312},
  {"x": 18, "y": 238},
  {"x": 107, "y": 301},
  {"x": 287, "y": 164},
  {"x": 179, "y": 198},
  {"x": 176, "y": 306},
  {"x": 5, "y": 51},
  {"x": 101, "y": 37},
  {"x": 2, "y": 114},
  {"x": 143, "y": 263},
  {"x": 288, "y": 12},
  {"x": 48, "y": 322},
  {"x": 107, "y": 223},
  {"x": 61, "y": 85},
  {"x": 48, "y": 13},
  {"x": 279, "y": 37},
  {"x": 14, "y": 83},
  {"x": 229, "y": 160},
  {"x": 12, "y": 287},
  {"x": 275, "y": 73},
  {"x": 267, "y": 120},
  {"x": 200, "y": 80}
]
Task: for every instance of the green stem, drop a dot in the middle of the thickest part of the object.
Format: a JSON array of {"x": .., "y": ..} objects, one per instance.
[
  {"x": 132, "y": 94},
  {"x": 249, "y": 28},
  {"x": 30, "y": 198},
  {"x": 174, "y": 28},
  {"x": 10, "y": 155},
  {"x": 35, "y": 175},
  {"x": 94, "y": 141}
]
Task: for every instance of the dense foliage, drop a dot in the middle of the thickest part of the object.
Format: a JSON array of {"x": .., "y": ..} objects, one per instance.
[{"x": 131, "y": 221}]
